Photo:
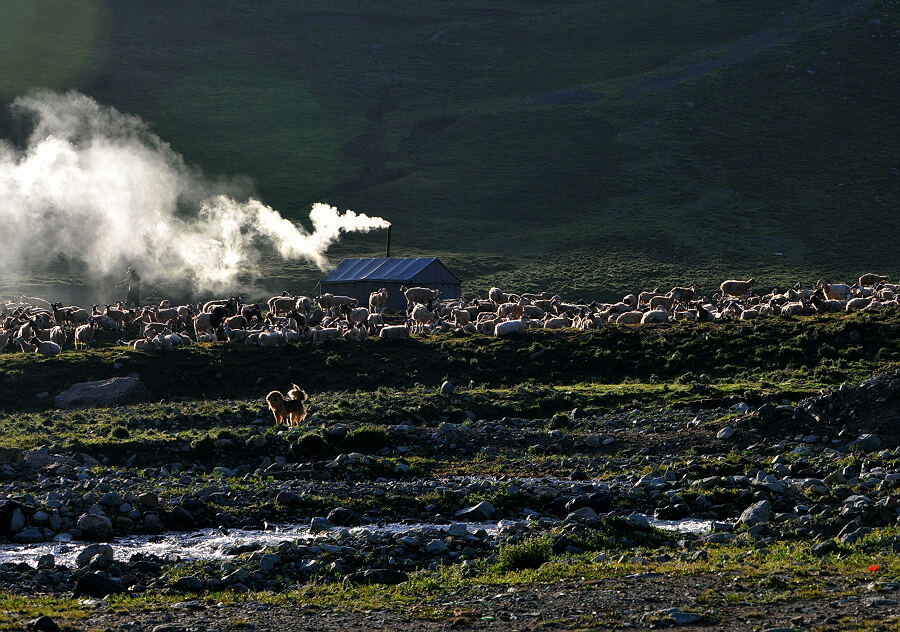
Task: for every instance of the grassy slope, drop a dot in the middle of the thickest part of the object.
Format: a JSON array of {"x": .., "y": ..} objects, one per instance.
[{"x": 457, "y": 123}]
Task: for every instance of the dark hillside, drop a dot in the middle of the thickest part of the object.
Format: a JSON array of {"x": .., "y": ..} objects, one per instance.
[{"x": 586, "y": 147}]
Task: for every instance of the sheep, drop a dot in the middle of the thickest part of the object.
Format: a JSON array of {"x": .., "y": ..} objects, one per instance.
[
  {"x": 558, "y": 322},
  {"x": 84, "y": 335},
  {"x": 283, "y": 303},
  {"x": 496, "y": 295},
  {"x": 682, "y": 295},
  {"x": 795, "y": 309},
  {"x": 251, "y": 313},
  {"x": 208, "y": 321},
  {"x": 510, "y": 310},
  {"x": 394, "y": 332},
  {"x": 34, "y": 302},
  {"x": 749, "y": 314},
  {"x": 825, "y": 306},
  {"x": 644, "y": 297},
  {"x": 236, "y": 322},
  {"x": 662, "y": 302},
  {"x": 420, "y": 317},
  {"x": 4, "y": 338},
  {"x": 737, "y": 288},
  {"x": 47, "y": 348},
  {"x": 375, "y": 322},
  {"x": 58, "y": 335},
  {"x": 358, "y": 316},
  {"x": 377, "y": 301},
  {"x": 325, "y": 302},
  {"x": 421, "y": 295},
  {"x": 870, "y": 279},
  {"x": 629, "y": 318},
  {"x": 835, "y": 291},
  {"x": 855, "y": 304},
  {"x": 509, "y": 327},
  {"x": 320, "y": 335},
  {"x": 655, "y": 316},
  {"x": 163, "y": 304},
  {"x": 24, "y": 345},
  {"x": 270, "y": 338},
  {"x": 461, "y": 317}
]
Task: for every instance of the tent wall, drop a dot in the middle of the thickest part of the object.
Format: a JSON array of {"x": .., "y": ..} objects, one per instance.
[{"x": 360, "y": 290}]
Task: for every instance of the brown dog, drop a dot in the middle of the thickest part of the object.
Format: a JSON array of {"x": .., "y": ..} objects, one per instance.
[{"x": 290, "y": 409}]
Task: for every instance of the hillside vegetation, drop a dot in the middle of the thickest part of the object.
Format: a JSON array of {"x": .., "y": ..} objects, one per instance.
[{"x": 584, "y": 147}]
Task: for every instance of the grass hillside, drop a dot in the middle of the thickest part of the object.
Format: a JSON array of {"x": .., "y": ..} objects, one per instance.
[{"x": 592, "y": 148}]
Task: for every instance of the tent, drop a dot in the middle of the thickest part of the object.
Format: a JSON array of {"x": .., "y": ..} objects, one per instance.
[{"x": 360, "y": 277}]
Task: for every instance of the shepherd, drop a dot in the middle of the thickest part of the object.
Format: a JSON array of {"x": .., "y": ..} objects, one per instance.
[{"x": 133, "y": 282}]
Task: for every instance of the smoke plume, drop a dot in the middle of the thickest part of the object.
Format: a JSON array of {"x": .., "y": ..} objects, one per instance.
[{"x": 94, "y": 185}]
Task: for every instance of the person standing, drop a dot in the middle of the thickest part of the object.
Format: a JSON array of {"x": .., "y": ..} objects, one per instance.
[{"x": 133, "y": 282}]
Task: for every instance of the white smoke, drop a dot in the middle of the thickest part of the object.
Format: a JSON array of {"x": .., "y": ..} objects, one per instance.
[{"x": 94, "y": 185}]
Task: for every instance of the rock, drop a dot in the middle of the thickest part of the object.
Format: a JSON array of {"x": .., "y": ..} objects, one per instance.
[
  {"x": 757, "y": 513},
  {"x": 767, "y": 413},
  {"x": 866, "y": 443},
  {"x": 42, "y": 624},
  {"x": 584, "y": 513},
  {"x": 269, "y": 561},
  {"x": 673, "y": 617},
  {"x": 447, "y": 388},
  {"x": 320, "y": 524},
  {"x": 181, "y": 517},
  {"x": 152, "y": 524},
  {"x": 457, "y": 530},
  {"x": 436, "y": 547},
  {"x": 110, "y": 499},
  {"x": 116, "y": 390},
  {"x": 88, "y": 553},
  {"x": 16, "y": 521},
  {"x": 168, "y": 627},
  {"x": 148, "y": 499},
  {"x": 96, "y": 585},
  {"x": 725, "y": 433},
  {"x": 239, "y": 576},
  {"x": 31, "y": 535},
  {"x": 482, "y": 511},
  {"x": 189, "y": 584},
  {"x": 95, "y": 527},
  {"x": 47, "y": 561},
  {"x": 824, "y": 548},
  {"x": 377, "y": 576},
  {"x": 835, "y": 478},
  {"x": 287, "y": 497},
  {"x": 343, "y": 517}
]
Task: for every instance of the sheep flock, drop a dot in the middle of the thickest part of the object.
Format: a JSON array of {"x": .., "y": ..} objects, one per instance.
[{"x": 35, "y": 325}]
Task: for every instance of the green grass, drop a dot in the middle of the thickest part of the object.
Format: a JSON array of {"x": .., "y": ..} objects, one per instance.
[{"x": 437, "y": 118}]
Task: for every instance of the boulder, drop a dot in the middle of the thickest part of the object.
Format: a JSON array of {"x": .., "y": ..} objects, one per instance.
[
  {"x": 88, "y": 553},
  {"x": 377, "y": 576},
  {"x": 482, "y": 511},
  {"x": 31, "y": 535},
  {"x": 95, "y": 526},
  {"x": 116, "y": 390},
  {"x": 96, "y": 585},
  {"x": 757, "y": 513},
  {"x": 866, "y": 443},
  {"x": 12, "y": 520}
]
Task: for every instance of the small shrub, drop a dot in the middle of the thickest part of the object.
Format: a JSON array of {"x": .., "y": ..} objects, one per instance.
[
  {"x": 312, "y": 444},
  {"x": 366, "y": 440},
  {"x": 528, "y": 554},
  {"x": 119, "y": 432}
]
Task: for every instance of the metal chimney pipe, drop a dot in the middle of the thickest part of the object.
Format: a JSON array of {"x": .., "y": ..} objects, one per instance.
[{"x": 388, "y": 255}]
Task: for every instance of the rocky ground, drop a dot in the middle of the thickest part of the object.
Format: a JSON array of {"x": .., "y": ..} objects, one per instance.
[{"x": 508, "y": 523}]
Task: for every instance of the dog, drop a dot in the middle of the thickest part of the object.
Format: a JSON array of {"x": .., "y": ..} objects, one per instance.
[{"x": 288, "y": 409}]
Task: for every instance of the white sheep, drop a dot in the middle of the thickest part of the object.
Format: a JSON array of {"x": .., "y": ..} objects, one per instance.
[
  {"x": 855, "y": 304},
  {"x": 630, "y": 318},
  {"x": 737, "y": 288},
  {"x": 319, "y": 335},
  {"x": 655, "y": 316},
  {"x": 377, "y": 301},
  {"x": 84, "y": 335},
  {"x": 420, "y": 317},
  {"x": 869, "y": 279},
  {"x": 394, "y": 332},
  {"x": 509, "y": 327},
  {"x": 421, "y": 295}
]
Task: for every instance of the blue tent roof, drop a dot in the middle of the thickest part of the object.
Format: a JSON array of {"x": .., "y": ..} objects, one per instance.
[{"x": 420, "y": 269}]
